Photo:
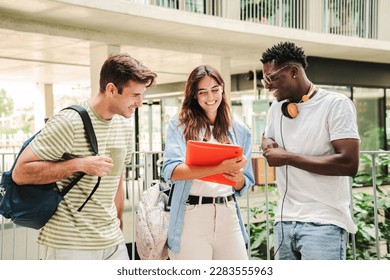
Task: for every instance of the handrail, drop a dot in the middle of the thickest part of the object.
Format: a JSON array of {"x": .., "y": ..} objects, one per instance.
[
  {"x": 143, "y": 164},
  {"x": 353, "y": 18},
  {"x": 375, "y": 195},
  {"x": 375, "y": 200}
]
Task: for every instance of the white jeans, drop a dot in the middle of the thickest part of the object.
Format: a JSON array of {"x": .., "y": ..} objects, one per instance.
[
  {"x": 211, "y": 232},
  {"x": 117, "y": 252}
]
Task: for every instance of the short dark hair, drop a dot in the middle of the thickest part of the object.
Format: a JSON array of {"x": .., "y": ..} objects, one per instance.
[
  {"x": 121, "y": 68},
  {"x": 283, "y": 53}
]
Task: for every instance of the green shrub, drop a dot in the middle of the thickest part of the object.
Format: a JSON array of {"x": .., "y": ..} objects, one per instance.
[{"x": 365, "y": 237}]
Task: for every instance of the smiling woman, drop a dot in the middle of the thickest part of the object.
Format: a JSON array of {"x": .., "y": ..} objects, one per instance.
[
  {"x": 209, "y": 97},
  {"x": 215, "y": 89},
  {"x": 205, "y": 116}
]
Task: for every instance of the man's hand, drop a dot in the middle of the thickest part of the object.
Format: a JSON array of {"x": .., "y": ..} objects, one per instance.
[
  {"x": 276, "y": 156},
  {"x": 268, "y": 143},
  {"x": 97, "y": 165}
]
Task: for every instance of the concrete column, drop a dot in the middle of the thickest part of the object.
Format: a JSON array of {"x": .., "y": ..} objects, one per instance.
[
  {"x": 231, "y": 9},
  {"x": 316, "y": 16},
  {"x": 98, "y": 54},
  {"x": 383, "y": 20},
  {"x": 182, "y": 5},
  {"x": 49, "y": 100},
  {"x": 39, "y": 106}
]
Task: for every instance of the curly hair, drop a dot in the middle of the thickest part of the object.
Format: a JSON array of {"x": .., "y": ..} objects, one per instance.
[{"x": 284, "y": 52}]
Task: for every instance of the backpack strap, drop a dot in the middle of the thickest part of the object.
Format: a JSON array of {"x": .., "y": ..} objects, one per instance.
[
  {"x": 25, "y": 144},
  {"x": 91, "y": 137},
  {"x": 90, "y": 195},
  {"x": 87, "y": 126},
  {"x": 169, "y": 192}
]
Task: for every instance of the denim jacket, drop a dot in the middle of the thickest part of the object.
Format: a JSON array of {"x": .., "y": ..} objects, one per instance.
[{"x": 174, "y": 154}]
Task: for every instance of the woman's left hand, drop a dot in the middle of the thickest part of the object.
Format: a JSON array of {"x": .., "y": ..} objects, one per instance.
[{"x": 236, "y": 176}]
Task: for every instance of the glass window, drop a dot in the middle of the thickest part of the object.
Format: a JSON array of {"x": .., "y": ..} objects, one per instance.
[
  {"x": 149, "y": 127},
  {"x": 251, "y": 110},
  {"x": 387, "y": 120},
  {"x": 170, "y": 107},
  {"x": 340, "y": 89},
  {"x": 370, "y": 117}
]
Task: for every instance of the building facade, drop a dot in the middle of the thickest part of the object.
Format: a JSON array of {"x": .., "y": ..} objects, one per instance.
[
  {"x": 54, "y": 44},
  {"x": 64, "y": 42}
]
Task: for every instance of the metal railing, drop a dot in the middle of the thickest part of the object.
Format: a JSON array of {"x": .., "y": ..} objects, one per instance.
[
  {"x": 373, "y": 187},
  {"x": 20, "y": 243},
  {"x": 357, "y": 18},
  {"x": 374, "y": 155}
]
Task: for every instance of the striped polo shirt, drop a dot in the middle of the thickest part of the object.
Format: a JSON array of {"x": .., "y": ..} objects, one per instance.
[{"x": 97, "y": 225}]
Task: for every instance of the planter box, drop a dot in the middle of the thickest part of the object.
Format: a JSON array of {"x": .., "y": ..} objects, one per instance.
[{"x": 260, "y": 173}]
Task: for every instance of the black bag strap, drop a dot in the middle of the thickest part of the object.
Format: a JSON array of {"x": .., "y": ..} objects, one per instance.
[
  {"x": 90, "y": 195},
  {"x": 25, "y": 144},
  {"x": 93, "y": 142},
  {"x": 87, "y": 126},
  {"x": 71, "y": 184},
  {"x": 170, "y": 195},
  {"x": 169, "y": 192}
]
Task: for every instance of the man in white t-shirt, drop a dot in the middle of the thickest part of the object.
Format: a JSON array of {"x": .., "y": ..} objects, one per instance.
[{"x": 312, "y": 139}]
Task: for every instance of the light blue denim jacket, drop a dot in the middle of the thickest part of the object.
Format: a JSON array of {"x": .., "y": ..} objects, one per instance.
[{"x": 174, "y": 154}]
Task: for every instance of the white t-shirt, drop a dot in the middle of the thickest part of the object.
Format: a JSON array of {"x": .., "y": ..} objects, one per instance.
[
  {"x": 204, "y": 188},
  {"x": 311, "y": 197}
]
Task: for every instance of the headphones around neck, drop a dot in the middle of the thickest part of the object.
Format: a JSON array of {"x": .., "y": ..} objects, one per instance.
[{"x": 290, "y": 109}]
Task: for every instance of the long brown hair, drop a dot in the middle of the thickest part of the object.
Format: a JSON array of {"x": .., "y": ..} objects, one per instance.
[{"x": 192, "y": 115}]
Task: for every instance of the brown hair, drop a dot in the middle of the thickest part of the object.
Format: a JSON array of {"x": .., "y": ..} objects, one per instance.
[
  {"x": 192, "y": 115},
  {"x": 121, "y": 68}
]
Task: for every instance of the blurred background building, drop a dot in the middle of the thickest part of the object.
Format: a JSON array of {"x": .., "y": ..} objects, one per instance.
[
  {"x": 58, "y": 46},
  {"x": 51, "y": 52}
]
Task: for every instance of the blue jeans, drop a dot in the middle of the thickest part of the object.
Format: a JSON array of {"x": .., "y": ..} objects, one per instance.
[{"x": 309, "y": 241}]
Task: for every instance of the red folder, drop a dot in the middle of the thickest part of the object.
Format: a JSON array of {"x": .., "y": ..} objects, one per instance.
[{"x": 201, "y": 153}]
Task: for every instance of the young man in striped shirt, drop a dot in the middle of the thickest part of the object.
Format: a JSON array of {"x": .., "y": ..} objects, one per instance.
[{"x": 94, "y": 233}]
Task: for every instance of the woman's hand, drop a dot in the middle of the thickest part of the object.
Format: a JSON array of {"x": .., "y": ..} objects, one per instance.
[{"x": 235, "y": 171}]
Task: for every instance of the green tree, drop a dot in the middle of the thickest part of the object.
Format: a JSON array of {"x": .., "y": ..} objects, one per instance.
[{"x": 6, "y": 104}]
